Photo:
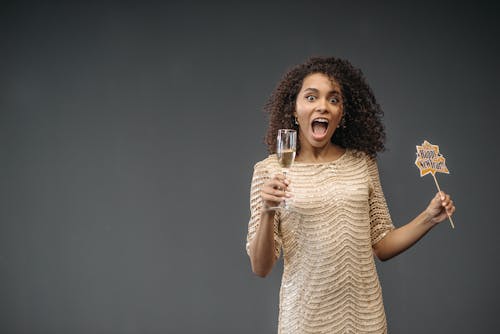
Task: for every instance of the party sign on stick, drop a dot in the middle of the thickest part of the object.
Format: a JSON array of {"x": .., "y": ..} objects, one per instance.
[{"x": 430, "y": 161}]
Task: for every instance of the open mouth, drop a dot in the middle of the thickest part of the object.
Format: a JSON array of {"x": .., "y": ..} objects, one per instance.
[{"x": 319, "y": 127}]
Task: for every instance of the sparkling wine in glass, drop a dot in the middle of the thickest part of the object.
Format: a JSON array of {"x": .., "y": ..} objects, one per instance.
[{"x": 286, "y": 147}]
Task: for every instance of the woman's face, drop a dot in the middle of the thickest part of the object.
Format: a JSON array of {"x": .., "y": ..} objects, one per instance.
[{"x": 318, "y": 110}]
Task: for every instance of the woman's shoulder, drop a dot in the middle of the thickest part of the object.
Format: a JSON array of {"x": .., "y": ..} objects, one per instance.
[
  {"x": 271, "y": 161},
  {"x": 356, "y": 156},
  {"x": 360, "y": 159},
  {"x": 361, "y": 155}
]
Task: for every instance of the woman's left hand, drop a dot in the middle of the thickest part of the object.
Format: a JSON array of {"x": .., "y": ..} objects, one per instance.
[{"x": 440, "y": 207}]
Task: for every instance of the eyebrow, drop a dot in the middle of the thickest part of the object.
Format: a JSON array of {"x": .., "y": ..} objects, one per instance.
[{"x": 317, "y": 91}]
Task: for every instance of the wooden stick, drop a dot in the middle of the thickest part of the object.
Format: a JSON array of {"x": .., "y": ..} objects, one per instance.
[{"x": 439, "y": 189}]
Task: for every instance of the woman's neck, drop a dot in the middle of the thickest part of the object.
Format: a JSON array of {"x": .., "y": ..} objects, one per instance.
[{"x": 327, "y": 153}]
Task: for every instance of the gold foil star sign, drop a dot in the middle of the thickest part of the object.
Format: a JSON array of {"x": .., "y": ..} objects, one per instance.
[{"x": 430, "y": 161}]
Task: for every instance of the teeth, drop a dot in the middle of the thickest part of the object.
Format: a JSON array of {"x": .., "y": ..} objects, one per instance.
[{"x": 321, "y": 120}]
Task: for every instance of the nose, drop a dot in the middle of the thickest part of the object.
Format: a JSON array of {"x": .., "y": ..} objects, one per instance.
[{"x": 321, "y": 105}]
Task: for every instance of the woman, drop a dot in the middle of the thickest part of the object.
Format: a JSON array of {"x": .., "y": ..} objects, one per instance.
[{"x": 338, "y": 218}]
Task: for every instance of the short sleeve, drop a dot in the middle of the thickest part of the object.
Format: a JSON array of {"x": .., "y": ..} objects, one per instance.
[
  {"x": 260, "y": 176},
  {"x": 380, "y": 218}
]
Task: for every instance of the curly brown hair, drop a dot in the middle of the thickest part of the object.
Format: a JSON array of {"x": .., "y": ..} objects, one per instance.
[{"x": 363, "y": 128}]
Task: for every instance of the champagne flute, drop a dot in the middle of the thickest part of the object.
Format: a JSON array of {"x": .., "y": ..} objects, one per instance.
[{"x": 286, "y": 147}]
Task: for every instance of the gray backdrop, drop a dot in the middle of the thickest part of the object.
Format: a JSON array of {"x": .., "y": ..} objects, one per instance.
[{"x": 128, "y": 134}]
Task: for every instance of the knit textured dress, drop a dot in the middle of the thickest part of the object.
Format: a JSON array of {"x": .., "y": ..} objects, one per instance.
[{"x": 338, "y": 211}]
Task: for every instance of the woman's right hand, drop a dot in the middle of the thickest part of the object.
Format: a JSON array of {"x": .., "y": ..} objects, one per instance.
[{"x": 275, "y": 190}]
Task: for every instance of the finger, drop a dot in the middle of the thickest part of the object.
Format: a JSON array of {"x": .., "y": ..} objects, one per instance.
[
  {"x": 278, "y": 192},
  {"x": 441, "y": 195},
  {"x": 279, "y": 177},
  {"x": 451, "y": 211},
  {"x": 276, "y": 184},
  {"x": 436, "y": 201},
  {"x": 280, "y": 187},
  {"x": 275, "y": 190},
  {"x": 437, "y": 198},
  {"x": 271, "y": 199},
  {"x": 450, "y": 207},
  {"x": 282, "y": 178},
  {"x": 446, "y": 200}
]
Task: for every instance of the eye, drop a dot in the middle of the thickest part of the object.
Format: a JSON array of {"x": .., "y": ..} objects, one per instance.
[
  {"x": 336, "y": 100},
  {"x": 310, "y": 98}
]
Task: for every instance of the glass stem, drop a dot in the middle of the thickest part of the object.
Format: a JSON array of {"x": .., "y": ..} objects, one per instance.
[{"x": 285, "y": 204}]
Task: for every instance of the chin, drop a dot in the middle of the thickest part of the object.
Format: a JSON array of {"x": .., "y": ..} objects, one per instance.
[{"x": 319, "y": 144}]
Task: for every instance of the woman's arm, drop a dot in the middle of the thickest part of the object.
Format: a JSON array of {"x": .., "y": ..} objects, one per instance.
[
  {"x": 262, "y": 256},
  {"x": 399, "y": 240},
  {"x": 262, "y": 248}
]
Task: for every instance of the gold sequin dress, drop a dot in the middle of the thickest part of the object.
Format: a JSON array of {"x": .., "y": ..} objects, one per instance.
[{"x": 330, "y": 283}]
